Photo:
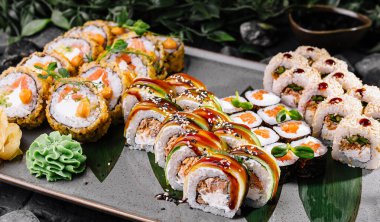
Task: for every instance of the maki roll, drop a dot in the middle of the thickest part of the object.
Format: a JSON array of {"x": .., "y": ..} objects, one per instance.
[
  {"x": 287, "y": 163},
  {"x": 214, "y": 118},
  {"x": 109, "y": 83},
  {"x": 99, "y": 31},
  {"x": 172, "y": 127},
  {"x": 331, "y": 111},
  {"x": 357, "y": 142},
  {"x": 373, "y": 110},
  {"x": 292, "y": 130},
  {"x": 186, "y": 151},
  {"x": 75, "y": 107},
  {"x": 366, "y": 94},
  {"x": 279, "y": 64},
  {"x": 269, "y": 114},
  {"x": 315, "y": 94},
  {"x": 174, "y": 53},
  {"x": 144, "y": 123},
  {"x": 261, "y": 98},
  {"x": 327, "y": 65},
  {"x": 265, "y": 135},
  {"x": 132, "y": 63},
  {"x": 264, "y": 174},
  {"x": 42, "y": 60},
  {"x": 22, "y": 96},
  {"x": 182, "y": 81},
  {"x": 192, "y": 99},
  {"x": 311, "y": 53},
  {"x": 76, "y": 50},
  {"x": 346, "y": 79},
  {"x": 227, "y": 105},
  {"x": 308, "y": 168},
  {"x": 235, "y": 135},
  {"x": 143, "y": 89},
  {"x": 290, "y": 85},
  {"x": 115, "y": 29},
  {"x": 247, "y": 118},
  {"x": 217, "y": 184}
]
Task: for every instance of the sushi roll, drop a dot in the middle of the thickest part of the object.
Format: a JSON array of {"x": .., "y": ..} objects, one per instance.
[
  {"x": 235, "y": 135},
  {"x": 75, "y": 107},
  {"x": 116, "y": 29},
  {"x": 132, "y": 63},
  {"x": 331, "y": 111},
  {"x": 292, "y": 130},
  {"x": 182, "y": 81},
  {"x": 247, "y": 118},
  {"x": 265, "y": 135},
  {"x": 109, "y": 83},
  {"x": 365, "y": 94},
  {"x": 99, "y": 31},
  {"x": 264, "y": 174},
  {"x": 172, "y": 127},
  {"x": 217, "y": 184},
  {"x": 357, "y": 142},
  {"x": 22, "y": 96},
  {"x": 327, "y": 65},
  {"x": 42, "y": 59},
  {"x": 269, "y": 114},
  {"x": 227, "y": 105},
  {"x": 308, "y": 168},
  {"x": 290, "y": 85},
  {"x": 287, "y": 163},
  {"x": 143, "y": 89},
  {"x": 147, "y": 45},
  {"x": 76, "y": 50},
  {"x": 174, "y": 50},
  {"x": 144, "y": 123},
  {"x": 192, "y": 99},
  {"x": 315, "y": 94},
  {"x": 261, "y": 98},
  {"x": 346, "y": 79},
  {"x": 373, "y": 110},
  {"x": 215, "y": 118},
  {"x": 186, "y": 151},
  {"x": 279, "y": 64},
  {"x": 311, "y": 53}
]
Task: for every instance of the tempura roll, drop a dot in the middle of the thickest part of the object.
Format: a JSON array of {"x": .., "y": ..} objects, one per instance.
[
  {"x": 174, "y": 50},
  {"x": 217, "y": 184}
]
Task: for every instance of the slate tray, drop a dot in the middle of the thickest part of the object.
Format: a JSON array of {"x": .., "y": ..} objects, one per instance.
[{"x": 128, "y": 190}]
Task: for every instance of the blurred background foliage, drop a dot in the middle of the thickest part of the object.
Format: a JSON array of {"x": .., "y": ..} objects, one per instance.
[{"x": 216, "y": 20}]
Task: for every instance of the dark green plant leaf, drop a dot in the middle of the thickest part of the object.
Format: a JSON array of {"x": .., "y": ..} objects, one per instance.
[
  {"x": 52, "y": 66},
  {"x": 34, "y": 26},
  {"x": 221, "y": 36},
  {"x": 264, "y": 213},
  {"x": 281, "y": 116},
  {"x": 160, "y": 175},
  {"x": 335, "y": 196},
  {"x": 239, "y": 104},
  {"x": 303, "y": 152},
  {"x": 64, "y": 73},
  {"x": 279, "y": 151},
  {"x": 59, "y": 19},
  {"x": 103, "y": 154},
  {"x": 294, "y": 115}
]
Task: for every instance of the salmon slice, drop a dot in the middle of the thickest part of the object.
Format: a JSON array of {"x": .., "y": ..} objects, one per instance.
[
  {"x": 247, "y": 118},
  {"x": 20, "y": 81},
  {"x": 64, "y": 93},
  {"x": 259, "y": 94},
  {"x": 100, "y": 73},
  {"x": 312, "y": 145},
  {"x": 274, "y": 112},
  {"x": 264, "y": 133},
  {"x": 137, "y": 44},
  {"x": 290, "y": 127}
]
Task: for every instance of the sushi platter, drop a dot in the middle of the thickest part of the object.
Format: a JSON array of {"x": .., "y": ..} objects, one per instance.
[{"x": 144, "y": 128}]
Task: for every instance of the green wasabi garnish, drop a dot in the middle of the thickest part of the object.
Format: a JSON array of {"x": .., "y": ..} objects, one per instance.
[{"x": 55, "y": 156}]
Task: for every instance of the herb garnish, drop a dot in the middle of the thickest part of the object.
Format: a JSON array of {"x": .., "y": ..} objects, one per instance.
[
  {"x": 358, "y": 139},
  {"x": 303, "y": 152},
  {"x": 121, "y": 46},
  {"x": 317, "y": 98},
  {"x": 335, "y": 118},
  {"x": 238, "y": 104},
  {"x": 293, "y": 114},
  {"x": 279, "y": 70},
  {"x": 50, "y": 71},
  {"x": 4, "y": 100},
  {"x": 139, "y": 26},
  {"x": 295, "y": 87}
]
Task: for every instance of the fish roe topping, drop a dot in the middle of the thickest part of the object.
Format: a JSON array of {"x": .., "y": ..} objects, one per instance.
[
  {"x": 310, "y": 49},
  {"x": 335, "y": 100},
  {"x": 338, "y": 75},
  {"x": 360, "y": 91},
  {"x": 365, "y": 122},
  {"x": 299, "y": 71},
  {"x": 323, "y": 86},
  {"x": 288, "y": 56},
  {"x": 330, "y": 62}
]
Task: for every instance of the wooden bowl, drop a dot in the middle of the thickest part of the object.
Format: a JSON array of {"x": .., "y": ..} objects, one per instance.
[{"x": 332, "y": 39}]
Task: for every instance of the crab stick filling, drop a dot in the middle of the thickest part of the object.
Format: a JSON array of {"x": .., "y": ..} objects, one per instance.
[
  {"x": 16, "y": 94},
  {"x": 131, "y": 63},
  {"x": 144, "y": 45}
]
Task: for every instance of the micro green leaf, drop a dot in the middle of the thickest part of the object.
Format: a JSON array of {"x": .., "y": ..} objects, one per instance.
[
  {"x": 280, "y": 151},
  {"x": 281, "y": 116},
  {"x": 303, "y": 152},
  {"x": 238, "y": 104},
  {"x": 294, "y": 114}
]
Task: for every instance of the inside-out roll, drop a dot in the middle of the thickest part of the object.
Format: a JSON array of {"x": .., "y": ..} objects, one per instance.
[
  {"x": 217, "y": 184},
  {"x": 346, "y": 79},
  {"x": 365, "y": 94},
  {"x": 182, "y": 81},
  {"x": 215, "y": 118},
  {"x": 311, "y": 53},
  {"x": 235, "y": 134},
  {"x": 327, "y": 65},
  {"x": 192, "y": 99}
]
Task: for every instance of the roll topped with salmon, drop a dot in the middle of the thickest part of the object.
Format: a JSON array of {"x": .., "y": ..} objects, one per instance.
[
  {"x": 217, "y": 184},
  {"x": 109, "y": 83},
  {"x": 172, "y": 127},
  {"x": 75, "y": 107},
  {"x": 22, "y": 96},
  {"x": 187, "y": 150}
]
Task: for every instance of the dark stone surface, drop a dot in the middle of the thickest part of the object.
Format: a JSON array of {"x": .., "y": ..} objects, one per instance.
[
  {"x": 19, "y": 216},
  {"x": 351, "y": 68},
  {"x": 369, "y": 68},
  {"x": 21, "y": 48},
  {"x": 42, "y": 38}
]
